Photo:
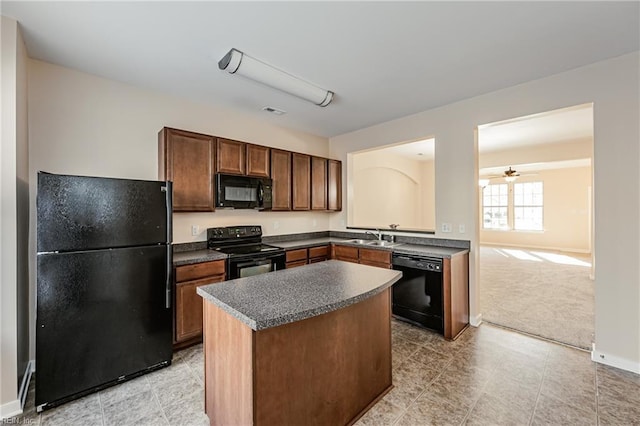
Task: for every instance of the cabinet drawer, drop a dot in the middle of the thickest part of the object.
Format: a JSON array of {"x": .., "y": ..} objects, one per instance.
[
  {"x": 346, "y": 252},
  {"x": 296, "y": 255},
  {"x": 296, "y": 264},
  {"x": 200, "y": 270},
  {"x": 376, "y": 256},
  {"x": 319, "y": 252}
]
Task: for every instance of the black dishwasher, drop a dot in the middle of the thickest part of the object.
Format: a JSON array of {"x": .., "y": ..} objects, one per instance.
[{"x": 417, "y": 296}]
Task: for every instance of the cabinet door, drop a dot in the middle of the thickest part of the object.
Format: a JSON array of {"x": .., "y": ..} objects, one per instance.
[
  {"x": 377, "y": 257},
  {"x": 281, "y": 176},
  {"x": 318, "y": 183},
  {"x": 231, "y": 157},
  {"x": 334, "y": 185},
  {"x": 346, "y": 253},
  {"x": 257, "y": 160},
  {"x": 318, "y": 254},
  {"x": 301, "y": 170},
  {"x": 187, "y": 159},
  {"x": 296, "y": 255},
  {"x": 189, "y": 308}
]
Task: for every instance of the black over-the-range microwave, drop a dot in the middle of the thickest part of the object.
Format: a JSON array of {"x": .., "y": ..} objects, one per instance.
[{"x": 243, "y": 192}]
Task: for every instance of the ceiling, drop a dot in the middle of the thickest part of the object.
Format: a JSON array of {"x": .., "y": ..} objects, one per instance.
[
  {"x": 423, "y": 150},
  {"x": 564, "y": 125},
  {"x": 383, "y": 60}
]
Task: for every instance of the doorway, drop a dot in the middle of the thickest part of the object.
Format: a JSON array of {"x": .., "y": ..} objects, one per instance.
[{"x": 536, "y": 237}]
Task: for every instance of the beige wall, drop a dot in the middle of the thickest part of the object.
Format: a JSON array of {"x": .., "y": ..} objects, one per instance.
[
  {"x": 14, "y": 225},
  {"x": 566, "y": 213},
  {"x": 428, "y": 213},
  {"x": 613, "y": 87},
  {"x": 83, "y": 124},
  {"x": 389, "y": 188},
  {"x": 86, "y": 125}
]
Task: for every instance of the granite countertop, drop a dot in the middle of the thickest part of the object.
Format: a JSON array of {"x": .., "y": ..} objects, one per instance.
[
  {"x": 306, "y": 242},
  {"x": 282, "y": 297},
  {"x": 196, "y": 256},
  {"x": 425, "y": 250},
  {"x": 433, "y": 251}
]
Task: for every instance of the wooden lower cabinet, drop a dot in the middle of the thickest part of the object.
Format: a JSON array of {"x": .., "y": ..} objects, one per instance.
[
  {"x": 318, "y": 254},
  {"x": 303, "y": 256},
  {"x": 188, "y": 305},
  {"x": 372, "y": 257},
  {"x": 455, "y": 285},
  {"x": 345, "y": 253},
  {"x": 364, "y": 256}
]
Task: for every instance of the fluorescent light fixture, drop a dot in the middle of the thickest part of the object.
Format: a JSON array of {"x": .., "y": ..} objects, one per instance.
[{"x": 237, "y": 62}]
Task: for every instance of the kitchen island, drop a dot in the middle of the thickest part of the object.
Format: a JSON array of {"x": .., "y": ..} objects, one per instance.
[{"x": 310, "y": 345}]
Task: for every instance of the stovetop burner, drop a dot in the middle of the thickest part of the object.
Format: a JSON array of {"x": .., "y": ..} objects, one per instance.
[
  {"x": 243, "y": 249},
  {"x": 239, "y": 241}
]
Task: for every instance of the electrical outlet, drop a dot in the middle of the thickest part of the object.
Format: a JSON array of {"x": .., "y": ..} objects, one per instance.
[
  {"x": 195, "y": 230},
  {"x": 461, "y": 228},
  {"x": 276, "y": 225},
  {"x": 314, "y": 223},
  {"x": 446, "y": 227}
]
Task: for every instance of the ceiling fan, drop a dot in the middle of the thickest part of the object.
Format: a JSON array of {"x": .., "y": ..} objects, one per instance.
[{"x": 509, "y": 175}]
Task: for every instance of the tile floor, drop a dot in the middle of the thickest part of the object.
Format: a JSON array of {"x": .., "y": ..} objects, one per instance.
[{"x": 489, "y": 376}]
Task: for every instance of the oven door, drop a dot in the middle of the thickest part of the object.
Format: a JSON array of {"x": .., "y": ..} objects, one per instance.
[{"x": 247, "y": 267}]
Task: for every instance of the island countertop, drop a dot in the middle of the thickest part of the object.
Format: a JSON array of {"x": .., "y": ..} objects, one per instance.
[{"x": 277, "y": 298}]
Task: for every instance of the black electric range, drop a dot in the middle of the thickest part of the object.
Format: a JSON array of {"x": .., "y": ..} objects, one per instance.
[{"x": 247, "y": 254}]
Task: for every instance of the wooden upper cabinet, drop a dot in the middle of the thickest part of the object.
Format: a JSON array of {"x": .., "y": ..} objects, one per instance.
[
  {"x": 240, "y": 158},
  {"x": 318, "y": 183},
  {"x": 281, "y": 176},
  {"x": 334, "y": 185},
  {"x": 301, "y": 177},
  {"x": 187, "y": 159},
  {"x": 258, "y": 160},
  {"x": 231, "y": 157}
]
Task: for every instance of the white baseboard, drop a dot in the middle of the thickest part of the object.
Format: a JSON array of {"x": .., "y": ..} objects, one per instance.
[
  {"x": 614, "y": 361},
  {"x": 26, "y": 379},
  {"x": 14, "y": 408},
  {"x": 475, "y": 321},
  {"x": 10, "y": 409}
]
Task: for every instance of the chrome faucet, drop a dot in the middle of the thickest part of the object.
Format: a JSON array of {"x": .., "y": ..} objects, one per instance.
[{"x": 378, "y": 235}]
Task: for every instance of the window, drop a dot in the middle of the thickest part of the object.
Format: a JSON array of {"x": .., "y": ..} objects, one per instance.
[
  {"x": 495, "y": 203},
  {"x": 527, "y": 206}
]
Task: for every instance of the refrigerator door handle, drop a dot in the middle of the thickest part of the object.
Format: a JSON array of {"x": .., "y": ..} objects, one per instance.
[
  {"x": 169, "y": 282},
  {"x": 168, "y": 189}
]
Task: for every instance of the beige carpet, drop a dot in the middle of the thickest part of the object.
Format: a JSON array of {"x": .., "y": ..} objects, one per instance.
[{"x": 547, "y": 294}]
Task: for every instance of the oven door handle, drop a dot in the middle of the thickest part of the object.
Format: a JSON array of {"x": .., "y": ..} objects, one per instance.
[{"x": 253, "y": 262}]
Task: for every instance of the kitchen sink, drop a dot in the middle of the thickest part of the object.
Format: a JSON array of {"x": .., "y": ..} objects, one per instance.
[
  {"x": 363, "y": 242},
  {"x": 382, "y": 243}
]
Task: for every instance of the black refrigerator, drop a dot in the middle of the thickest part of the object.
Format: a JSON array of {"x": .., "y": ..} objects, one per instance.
[{"x": 104, "y": 298}]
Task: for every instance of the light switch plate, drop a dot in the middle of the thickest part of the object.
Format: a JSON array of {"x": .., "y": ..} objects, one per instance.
[
  {"x": 461, "y": 228},
  {"x": 446, "y": 227}
]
